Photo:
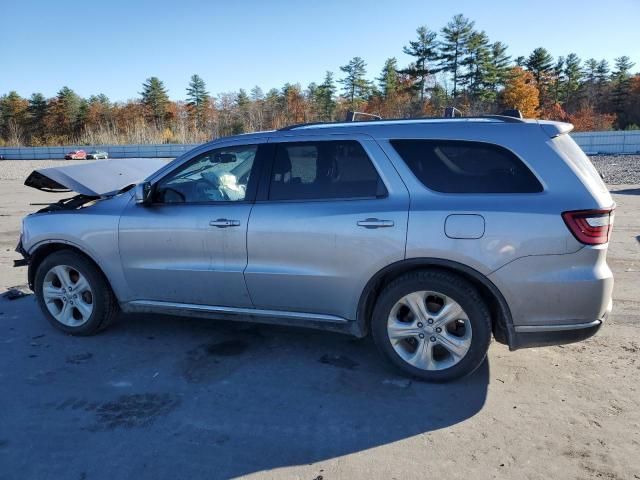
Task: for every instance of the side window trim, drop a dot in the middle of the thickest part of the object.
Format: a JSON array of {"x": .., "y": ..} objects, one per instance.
[
  {"x": 264, "y": 186},
  {"x": 252, "y": 186}
]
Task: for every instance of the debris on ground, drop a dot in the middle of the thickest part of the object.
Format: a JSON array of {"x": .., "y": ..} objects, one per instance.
[
  {"x": 14, "y": 293},
  {"x": 339, "y": 361},
  {"x": 398, "y": 382}
]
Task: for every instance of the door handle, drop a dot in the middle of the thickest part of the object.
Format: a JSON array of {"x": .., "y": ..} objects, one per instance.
[
  {"x": 375, "y": 223},
  {"x": 224, "y": 223}
]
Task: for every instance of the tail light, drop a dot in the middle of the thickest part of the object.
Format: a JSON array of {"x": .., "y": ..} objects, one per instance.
[{"x": 591, "y": 227}]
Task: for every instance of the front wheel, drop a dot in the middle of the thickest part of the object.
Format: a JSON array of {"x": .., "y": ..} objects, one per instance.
[
  {"x": 432, "y": 325},
  {"x": 73, "y": 294}
]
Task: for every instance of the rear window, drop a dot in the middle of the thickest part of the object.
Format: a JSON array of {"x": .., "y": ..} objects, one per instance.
[
  {"x": 323, "y": 170},
  {"x": 453, "y": 166}
]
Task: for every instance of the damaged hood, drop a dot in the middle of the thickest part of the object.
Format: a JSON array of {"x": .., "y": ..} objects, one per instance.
[{"x": 94, "y": 179}]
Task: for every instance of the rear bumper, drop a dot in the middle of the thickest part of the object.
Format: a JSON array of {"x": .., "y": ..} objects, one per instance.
[{"x": 546, "y": 335}]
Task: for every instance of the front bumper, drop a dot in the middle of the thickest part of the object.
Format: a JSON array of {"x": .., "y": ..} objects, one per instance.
[{"x": 24, "y": 261}]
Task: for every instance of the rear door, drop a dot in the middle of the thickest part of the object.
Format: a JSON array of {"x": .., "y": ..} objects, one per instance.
[{"x": 331, "y": 213}]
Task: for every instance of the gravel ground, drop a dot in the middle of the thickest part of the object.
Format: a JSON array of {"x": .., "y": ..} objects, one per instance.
[{"x": 616, "y": 169}]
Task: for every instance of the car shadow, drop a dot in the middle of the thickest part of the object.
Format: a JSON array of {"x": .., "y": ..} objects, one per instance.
[
  {"x": 221, "y": 399},
  {"x": 296, "y": 397},
  {"x": 627, "y": 191}
]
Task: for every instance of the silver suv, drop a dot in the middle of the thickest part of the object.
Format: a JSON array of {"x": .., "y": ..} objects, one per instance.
[{"x": 432, "y": 234}]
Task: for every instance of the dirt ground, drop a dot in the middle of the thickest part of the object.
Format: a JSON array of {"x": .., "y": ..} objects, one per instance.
[{"x": 162, "y": 397}]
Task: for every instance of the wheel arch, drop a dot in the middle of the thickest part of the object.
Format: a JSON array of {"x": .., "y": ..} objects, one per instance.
[
  {"x": 501, "y": 321},
  {"x": 43, "y": 250}
]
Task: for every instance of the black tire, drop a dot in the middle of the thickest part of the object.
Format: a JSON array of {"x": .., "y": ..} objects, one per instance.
[
  {"x": 458, "y": 289},
  {"x": 105, "y": 305}
]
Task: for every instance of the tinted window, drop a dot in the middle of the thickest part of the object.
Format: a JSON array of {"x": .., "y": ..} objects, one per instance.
[
  {"x": 221, "y": 175},
  {"x": 319, "y": 170},
  {"x": 466, "y": 167}
]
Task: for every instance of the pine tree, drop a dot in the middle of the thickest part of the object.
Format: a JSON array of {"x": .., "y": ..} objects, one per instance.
[
  {"x": 66, "y": 111},
  {"x": 498, "y": 68},
  {"x": 573, "y": 77},
  {"x": 355, "y": 85},
  {"x": 257, "y": 94},
  {"x": 558, "y": 80},
  {"x": 324, "y": 97},
  {"x": 540, "y": 64},
  {"x": 155, "y": 98},
  {"x": 476, "y": 64},
  {"x": 197, "y": 99},
  {"x": 388, "y": 79},
  {"x": 425, "y": 52},
  {"x": 621, "y": 83},
  {"x": 453, "y": 47},
  {"x": 37, "y": 111}
]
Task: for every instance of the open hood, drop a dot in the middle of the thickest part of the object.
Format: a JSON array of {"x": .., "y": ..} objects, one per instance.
[{"x": 94, "y": 179}]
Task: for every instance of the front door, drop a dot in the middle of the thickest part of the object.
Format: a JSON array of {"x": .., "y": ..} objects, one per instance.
[
  {"x": 335, "y": 214},
  {"x": 189, "y": 244}
]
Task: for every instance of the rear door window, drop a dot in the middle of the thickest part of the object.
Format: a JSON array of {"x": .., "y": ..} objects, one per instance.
[
  {"x": 453, "y": 166},
  {"x": 323, "y": 170}
]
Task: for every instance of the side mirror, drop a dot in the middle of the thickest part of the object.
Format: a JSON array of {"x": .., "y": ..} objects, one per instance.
[{"x": 143, "y": 193}]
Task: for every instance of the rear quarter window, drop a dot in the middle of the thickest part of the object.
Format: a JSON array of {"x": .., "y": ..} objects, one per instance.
[{"x": 452, "y": 166}]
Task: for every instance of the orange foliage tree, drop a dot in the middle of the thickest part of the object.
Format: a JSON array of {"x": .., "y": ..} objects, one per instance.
[
  {"x": 521, "y": 92},
  {"x": 587, "y": 119}
]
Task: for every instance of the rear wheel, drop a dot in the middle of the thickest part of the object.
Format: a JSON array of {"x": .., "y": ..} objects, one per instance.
[
  {"x": 432, "y": 325},
  {"x": 73, "y": 294}
]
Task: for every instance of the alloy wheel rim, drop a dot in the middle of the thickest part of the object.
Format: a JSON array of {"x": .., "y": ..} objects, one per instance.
[
  {"x": 429, "y": 330},
  {"x": 68, "y": 295}
]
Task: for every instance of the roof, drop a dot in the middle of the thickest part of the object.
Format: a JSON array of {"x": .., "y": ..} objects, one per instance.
[{"x": 390, "y": 127}]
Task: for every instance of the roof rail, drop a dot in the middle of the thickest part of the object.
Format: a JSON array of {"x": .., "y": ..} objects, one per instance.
[
  {"x": 499, "y": 118},
  {"x": 504, "y": 118},
  {"x": 304, "y": 124}
]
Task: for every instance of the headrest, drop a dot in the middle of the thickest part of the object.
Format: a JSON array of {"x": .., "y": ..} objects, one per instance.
[{"x": 282, "y": 162}]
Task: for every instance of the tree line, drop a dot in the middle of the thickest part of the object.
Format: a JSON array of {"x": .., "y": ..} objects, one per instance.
[{"x": 457, "y": 66}]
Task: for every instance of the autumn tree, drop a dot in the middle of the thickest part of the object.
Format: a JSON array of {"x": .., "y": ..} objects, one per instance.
[
  {"x": 155, "y": 99},
  {"x": 355, "y": 85},
  {"x": 63, "y": 113},
  {"x": 453, "y": 47},
  {"x": 425, "y": 52},
  {"x": 587, "y": 119},
  {"x": 521, "y": 93},
  {"x": 13, "y": 116}
]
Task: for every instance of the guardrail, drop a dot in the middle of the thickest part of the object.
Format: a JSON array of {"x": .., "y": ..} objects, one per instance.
[
  {"x": 593, "y": 143},
  {"x": 626, "y": 141},
  {"x": 165, "y": 150}
]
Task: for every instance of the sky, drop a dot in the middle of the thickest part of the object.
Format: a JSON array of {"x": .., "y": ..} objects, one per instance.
[{"x": 112, "y": 46}]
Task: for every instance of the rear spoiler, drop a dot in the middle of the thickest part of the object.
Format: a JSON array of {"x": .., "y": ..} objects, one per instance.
[{"x": 555, "y": 129}]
